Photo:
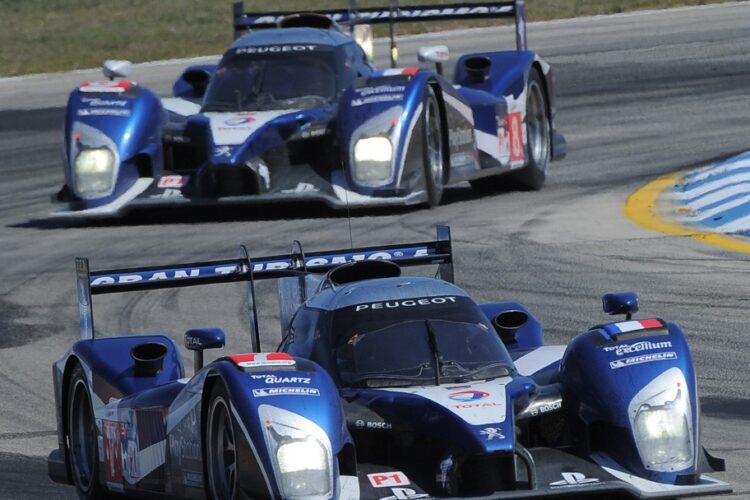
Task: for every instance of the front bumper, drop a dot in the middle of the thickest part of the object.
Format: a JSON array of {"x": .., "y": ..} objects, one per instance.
[{"x": 144, "y": 195}]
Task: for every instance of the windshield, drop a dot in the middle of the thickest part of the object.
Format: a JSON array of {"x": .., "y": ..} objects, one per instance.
[
  {"x": 272, "y": 80},
  {"x": 413, "y": 346}
]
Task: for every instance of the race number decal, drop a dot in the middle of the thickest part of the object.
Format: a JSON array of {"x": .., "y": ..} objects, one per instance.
[
  {"x": 515, "y": 129},
  {"x": 388, "y": 479},
  {"x": 112, "y": 451},
  {"x": 170, "y": 181}
]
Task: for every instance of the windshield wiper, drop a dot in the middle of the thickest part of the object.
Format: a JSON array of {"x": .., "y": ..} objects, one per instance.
[
  {"x": 432, "y": 342},
  {"x": 476, "y": 374}
]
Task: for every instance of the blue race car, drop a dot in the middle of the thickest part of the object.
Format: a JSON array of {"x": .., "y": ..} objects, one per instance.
[
  {"x": 295, "y": 111},
  {"x": 383, "y": 386}
]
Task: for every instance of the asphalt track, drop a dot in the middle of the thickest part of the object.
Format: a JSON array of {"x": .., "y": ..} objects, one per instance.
[{"x": 640, "y": 96}]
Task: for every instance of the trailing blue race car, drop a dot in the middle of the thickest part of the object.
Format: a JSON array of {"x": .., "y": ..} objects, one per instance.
[
  {"x": 295, "y": 111},
  {"x": 383, "y": 386}
]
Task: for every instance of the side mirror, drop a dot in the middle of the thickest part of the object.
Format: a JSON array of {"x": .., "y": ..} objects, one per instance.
[
  {"x": 116, "y": 69},
  {"x": 620, "y": 303},
  {"x": 200, "y": 339},
  {"x": 437, "y": 54}
]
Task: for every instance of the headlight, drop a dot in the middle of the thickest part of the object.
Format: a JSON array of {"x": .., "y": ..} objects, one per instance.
[
  {"x": 93, "y": 171},
  {"x": 663, "y": 438},
  {"x": 301, "y": 454},
  {"x": 661, "y": 423},
  {"x": 372, "y": 161},
  {"x": 303, "y": 466}
]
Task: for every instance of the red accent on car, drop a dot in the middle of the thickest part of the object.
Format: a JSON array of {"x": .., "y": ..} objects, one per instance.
[{"x": 651, "y": 323}]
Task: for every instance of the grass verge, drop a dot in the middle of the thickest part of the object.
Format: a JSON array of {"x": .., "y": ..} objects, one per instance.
[{"x": 56, "y": 35}]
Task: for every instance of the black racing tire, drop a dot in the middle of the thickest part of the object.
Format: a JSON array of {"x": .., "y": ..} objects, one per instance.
[
  {"x": 220, "y": 438},
  {"x": 538, "y": 136},
  {"x": 433, "y": 156},
  {"x": 82, "y": 438}
]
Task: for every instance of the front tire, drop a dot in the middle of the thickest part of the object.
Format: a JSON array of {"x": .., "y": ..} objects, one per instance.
[
  {"x": 432, "y": 149},
  {"x": 221, "y": 447},
  {"x": 538, "y": 136},
  {"x": 82, "y": 438}
]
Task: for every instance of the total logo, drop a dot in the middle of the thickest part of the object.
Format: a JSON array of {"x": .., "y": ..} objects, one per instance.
[
  {"x": 238, "y": 120},
  {"x": 468, "y": 395}
]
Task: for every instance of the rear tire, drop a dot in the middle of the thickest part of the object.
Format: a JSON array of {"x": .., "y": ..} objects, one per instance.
[
  {"x": 82, "y": 438},
  {"x": 538, "y": 136},
  {"x": 222, "y": 479},
  {"x": 432, "y": 149}
]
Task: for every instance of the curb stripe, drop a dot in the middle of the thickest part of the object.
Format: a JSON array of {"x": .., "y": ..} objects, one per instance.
[{"x": 641, "y": 208}]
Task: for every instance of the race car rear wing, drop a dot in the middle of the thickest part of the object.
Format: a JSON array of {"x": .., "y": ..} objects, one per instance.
[
  {"x": 246, "y": 269},
  {"x": 394, "y": 13}
]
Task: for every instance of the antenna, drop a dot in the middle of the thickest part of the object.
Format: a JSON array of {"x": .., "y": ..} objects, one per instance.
[
  {"x": 252, "y": 311},
  {"x": 349, "y": 218}
]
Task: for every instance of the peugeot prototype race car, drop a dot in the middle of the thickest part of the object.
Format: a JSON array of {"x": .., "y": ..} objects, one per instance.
[
  {"x": 295, "y": 111},
  {"x": 382, "y": 387}
]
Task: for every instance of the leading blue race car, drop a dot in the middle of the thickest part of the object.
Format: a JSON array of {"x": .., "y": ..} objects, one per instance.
[
  {"x": 295, "y": 111},
  {"x": 383, "y": 386}
]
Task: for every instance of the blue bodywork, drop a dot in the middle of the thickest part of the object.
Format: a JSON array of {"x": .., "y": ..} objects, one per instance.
[
  {"x": 407, "y": 385},
  {"x": 184, "y": 150}
]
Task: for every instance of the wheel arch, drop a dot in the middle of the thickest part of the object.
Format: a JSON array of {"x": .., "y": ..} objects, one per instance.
[
  {"x": 438, "y": 91},
  {"x": 70, "y": 364}
]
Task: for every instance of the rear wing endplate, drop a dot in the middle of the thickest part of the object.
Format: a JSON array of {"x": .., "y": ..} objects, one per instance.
[{"x": 246, "y": 269}]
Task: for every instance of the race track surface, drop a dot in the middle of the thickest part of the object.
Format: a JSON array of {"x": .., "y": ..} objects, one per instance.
[{"x": 640, "y": 95}]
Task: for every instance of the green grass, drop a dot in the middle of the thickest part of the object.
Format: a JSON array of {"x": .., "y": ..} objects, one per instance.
[{"x": 56, "y": 35}]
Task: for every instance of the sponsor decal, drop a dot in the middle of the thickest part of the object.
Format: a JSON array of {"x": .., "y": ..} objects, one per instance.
[
  {"x": 644, "y": 345},
  {"x": 259, "y": 266},
  {"x": 573, "y": 479},
  {"x": 545, "y": 408},
  {"x": 107, "y": 86},
  {"x": 168, "y": 193},
  {"x": 379, "y": 93},
  {"x": 388, "y": 479},
  {"x": 223, "y": 151},
  {"x": 264, "y": 49},
  {"x": 461, "y": 136},
  {"x": 113, "y": 434},
  {"x": 405, "y": 494},
  {"x": 275, "y": 379},
  {"x": 380, "y": 89},
  {"x": 193, "y": 478},
  {"x": 286, "y": 391},
  {"x": 361, "y": 424},
  {"x": 103, "y": 112},
  {"x": 377, "y": 98},
  {"x": 404, "y": 303},
  {"x": 302, "y": 187},
  {"x": 515, "y": 129},
  {"x": 644, "y": 358},
  {"x": 468, "y": 395},
  {"x": 412, "y": 12},
  {"x": 492, "y": 433},
  {"x": 171, "y": 181},
  {"x": 131, "y": 461},
  {"x": 241, "y": 119},
  {"x": 111, "y": 103},
  {"x": 262, "y": 359},
  {"x": 184, "y": 448},
  {"x": 193, "y": 342}
]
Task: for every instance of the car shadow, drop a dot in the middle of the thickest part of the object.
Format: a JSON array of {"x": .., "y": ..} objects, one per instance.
[{"x": 249, "y": 212}]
